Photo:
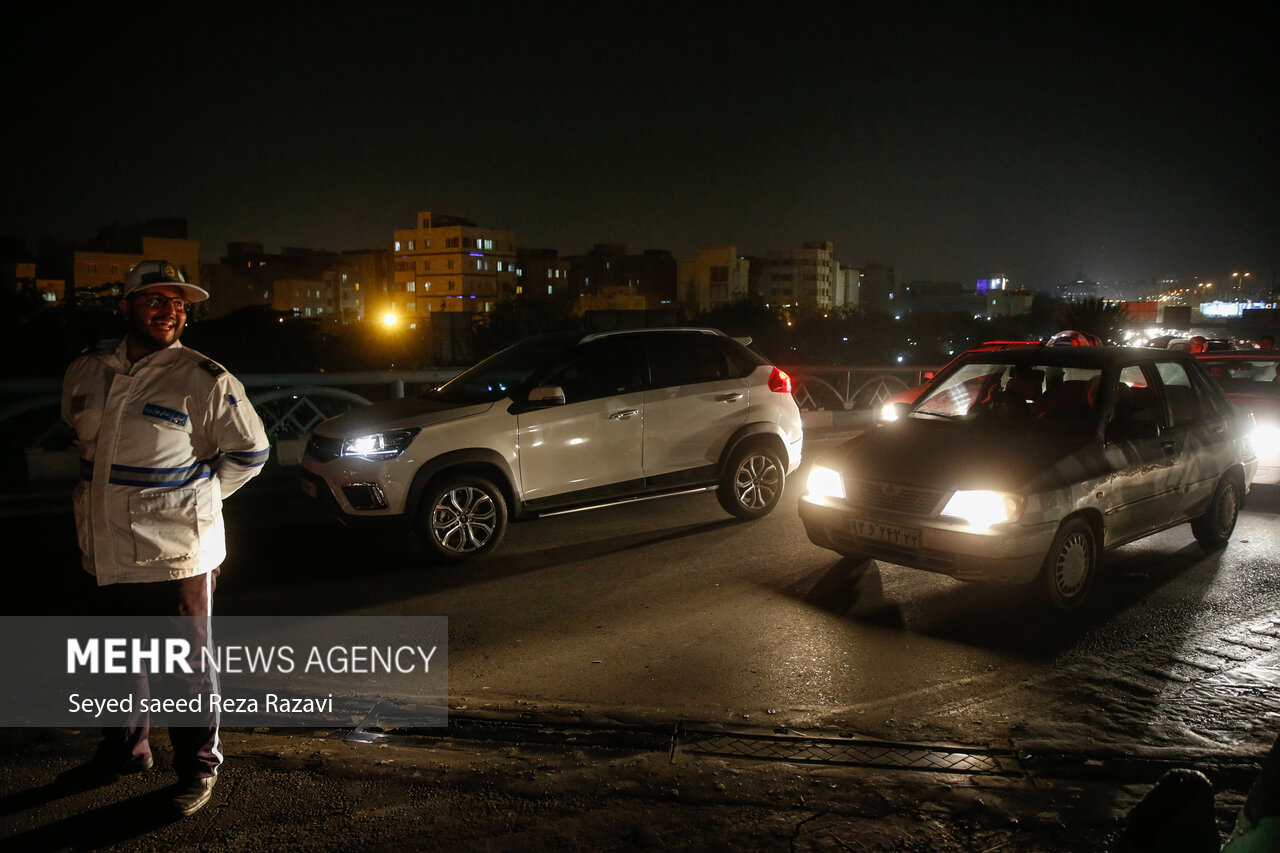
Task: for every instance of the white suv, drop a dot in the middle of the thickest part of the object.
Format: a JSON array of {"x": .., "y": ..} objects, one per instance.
[{"x": 564, "y": 422}]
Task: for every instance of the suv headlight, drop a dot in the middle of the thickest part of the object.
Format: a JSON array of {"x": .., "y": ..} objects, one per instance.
[
  {"x": 379, "y": 445},
  {"x": 983, "y": 508}
]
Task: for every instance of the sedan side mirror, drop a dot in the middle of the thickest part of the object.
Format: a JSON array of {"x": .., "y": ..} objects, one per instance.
[{"x": 546, "y": 395}]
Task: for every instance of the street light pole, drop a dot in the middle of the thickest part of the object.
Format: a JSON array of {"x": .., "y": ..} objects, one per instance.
[{"x": 1239, "y": 281}]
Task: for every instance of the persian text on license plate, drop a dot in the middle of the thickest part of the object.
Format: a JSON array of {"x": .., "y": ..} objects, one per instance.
[{"x": 903, "y": 537}]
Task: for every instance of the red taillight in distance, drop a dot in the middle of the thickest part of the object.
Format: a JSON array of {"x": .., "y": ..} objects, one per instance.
[{"x": 779, "y": 381}]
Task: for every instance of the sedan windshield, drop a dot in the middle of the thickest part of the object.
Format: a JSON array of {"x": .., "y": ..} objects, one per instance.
[
  {"x": 499, "y": 374},
  {"x": 1035, "y": 396}
]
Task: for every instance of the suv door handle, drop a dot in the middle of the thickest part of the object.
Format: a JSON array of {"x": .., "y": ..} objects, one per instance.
[
  {"x": 1170, "y": 448},
  {"x": 625, "y": 413},
  {"x": 729, "y": 398}
]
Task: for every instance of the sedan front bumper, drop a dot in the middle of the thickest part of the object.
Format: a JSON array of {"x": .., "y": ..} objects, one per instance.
[{"x": 1011, "y": 553}]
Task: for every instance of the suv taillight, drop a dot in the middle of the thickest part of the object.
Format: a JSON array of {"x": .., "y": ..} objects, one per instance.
[{"x": 779, "y": 381}]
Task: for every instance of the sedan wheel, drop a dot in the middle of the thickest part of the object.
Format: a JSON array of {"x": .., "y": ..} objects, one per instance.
[
  {"x": 1214, "y": 528},
  {"x": 462, "y": 519},
  {"x": 1069, "y": 567},
  {"x": 752, "y": 483}
]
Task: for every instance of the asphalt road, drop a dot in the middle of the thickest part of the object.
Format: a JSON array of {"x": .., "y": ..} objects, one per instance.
[
  {"x": 670, "y": 610},
  {"x": 642, "y": 616}
]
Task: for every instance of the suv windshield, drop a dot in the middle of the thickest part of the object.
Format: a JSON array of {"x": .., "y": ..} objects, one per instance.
[
  {"x": 1034, "y": 396},
  {"x": 496, "y": 376}
]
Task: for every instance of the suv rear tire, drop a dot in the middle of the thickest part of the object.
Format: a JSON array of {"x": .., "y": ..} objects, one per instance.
[
  {"x": 462, "y": 517},
  {"x": 752, "y": 483}
]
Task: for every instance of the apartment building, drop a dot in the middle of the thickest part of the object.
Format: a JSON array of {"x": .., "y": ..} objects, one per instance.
[
  {"x": 716, "y": 277},
  {"x": 541, "y": 272},
  {"x": 99, "y": 266},
  {"x": 797, "y": 278},
  {"x": 607, "y": 278},
  {"x": 449, "y": 264}
]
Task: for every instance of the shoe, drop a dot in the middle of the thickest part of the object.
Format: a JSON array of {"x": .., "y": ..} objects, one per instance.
[{"x": 193, "y": 795}]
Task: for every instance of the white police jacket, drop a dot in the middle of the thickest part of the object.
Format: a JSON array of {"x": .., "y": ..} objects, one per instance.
[{"x": 162, "y": 442}]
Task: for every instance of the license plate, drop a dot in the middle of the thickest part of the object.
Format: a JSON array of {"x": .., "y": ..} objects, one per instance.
[
  {"x": 903, "y": 537},
  {"x": 308, "y": 488}
]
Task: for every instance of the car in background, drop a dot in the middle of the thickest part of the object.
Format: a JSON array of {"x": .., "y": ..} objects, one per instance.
[
  {"x": 1251, "y": 379},
  {"x": 558, "y": 423},
  {"x": 1025, "y": 465},
  {"x": 1210, "y": 344},
  {"x": 1072, "y": 338}
]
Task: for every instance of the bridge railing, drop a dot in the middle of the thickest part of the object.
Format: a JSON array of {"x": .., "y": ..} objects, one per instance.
[
  {"x": 36, "y": 445},
  {"x": 851, "y": 388}
]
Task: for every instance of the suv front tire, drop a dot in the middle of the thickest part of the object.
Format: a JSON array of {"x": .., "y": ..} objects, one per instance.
[{"x": 461, "y": 517}]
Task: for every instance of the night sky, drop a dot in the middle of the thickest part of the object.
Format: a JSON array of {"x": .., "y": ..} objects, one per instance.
[{"x": 1044, "y": 145}]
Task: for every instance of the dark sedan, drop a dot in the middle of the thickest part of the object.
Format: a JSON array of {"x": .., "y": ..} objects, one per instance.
[{"x": 1024, "y": 465}]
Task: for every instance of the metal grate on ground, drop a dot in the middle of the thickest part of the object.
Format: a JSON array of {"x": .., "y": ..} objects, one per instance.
[{"x": 844, "y": 751}]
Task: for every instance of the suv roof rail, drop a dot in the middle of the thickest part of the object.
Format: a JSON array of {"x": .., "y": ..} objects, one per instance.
[{"x": 687, "y": 329}]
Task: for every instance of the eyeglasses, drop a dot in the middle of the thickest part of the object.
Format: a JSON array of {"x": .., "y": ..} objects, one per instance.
[{"x": 155, "y": 300}]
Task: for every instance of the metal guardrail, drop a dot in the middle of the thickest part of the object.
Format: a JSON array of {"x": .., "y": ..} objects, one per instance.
[{"x": 847, "y": 388}]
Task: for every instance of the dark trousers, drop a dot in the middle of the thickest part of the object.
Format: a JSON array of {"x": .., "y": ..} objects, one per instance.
[{"x": 189, "y": 601}]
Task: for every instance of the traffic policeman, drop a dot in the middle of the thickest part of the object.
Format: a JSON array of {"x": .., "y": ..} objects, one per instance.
[{"x": 165, "y": 435}]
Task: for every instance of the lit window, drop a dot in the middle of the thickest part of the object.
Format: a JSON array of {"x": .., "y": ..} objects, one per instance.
[
  {"x": 411, "y": 286},
  {"x": 397, "y": 245},
  {"x": 410, "y": 245}
]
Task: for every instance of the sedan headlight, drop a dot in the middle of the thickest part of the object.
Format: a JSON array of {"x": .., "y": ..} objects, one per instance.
[
  {"x": 889, "y": 412},
  {"x": 379, "y": 445},
  {"x": 825, "y": 483},
  {"x": 983, "y": 508}
]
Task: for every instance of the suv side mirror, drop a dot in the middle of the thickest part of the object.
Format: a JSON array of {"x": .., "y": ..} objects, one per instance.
[{"x": 546, "y": 395}]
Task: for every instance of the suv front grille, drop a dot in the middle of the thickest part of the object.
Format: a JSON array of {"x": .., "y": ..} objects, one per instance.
[
  {"x": 321, "y": 449},
  {"x": 891, "y": 497}
]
